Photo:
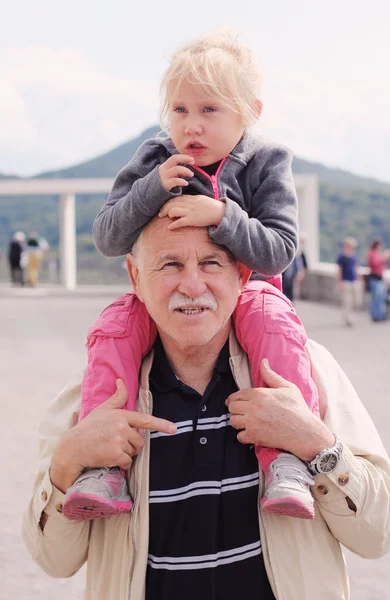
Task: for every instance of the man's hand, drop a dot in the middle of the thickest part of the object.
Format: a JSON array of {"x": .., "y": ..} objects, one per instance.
[
  {"x": 107, "y": 437},
  {"x": 172, "y": 171},
  {"x": 278, "y": 417},
  {"x": 193, "y": 211}
]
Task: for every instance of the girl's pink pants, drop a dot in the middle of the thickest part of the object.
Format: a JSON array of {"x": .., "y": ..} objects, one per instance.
[{"x": 266, "y": 326}]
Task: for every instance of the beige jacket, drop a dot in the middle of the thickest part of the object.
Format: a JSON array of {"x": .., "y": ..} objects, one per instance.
[{"x": 303, "y": 558}]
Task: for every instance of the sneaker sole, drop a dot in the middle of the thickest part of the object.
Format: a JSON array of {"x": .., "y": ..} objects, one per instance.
[
  {"x": 86, "y": 507},
  {"x": 289, "y": 507}
]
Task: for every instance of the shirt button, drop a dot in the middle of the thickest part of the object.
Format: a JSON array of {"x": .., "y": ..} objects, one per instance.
[
  {"x": 343, "y": 479},
  {"x": 203, "y": 441},
  {"x": 59, "y": 508},
  {"x": 204, "y": 408},
  {"x": 44, "y": 495},
  {"x": 323, "y": 489}
]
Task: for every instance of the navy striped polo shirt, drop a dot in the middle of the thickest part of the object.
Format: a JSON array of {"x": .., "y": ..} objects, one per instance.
[{"x": 204, "y": 539}]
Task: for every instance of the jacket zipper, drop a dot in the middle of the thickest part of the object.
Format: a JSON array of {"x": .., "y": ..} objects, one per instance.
[{"x": 212, "y": 178}]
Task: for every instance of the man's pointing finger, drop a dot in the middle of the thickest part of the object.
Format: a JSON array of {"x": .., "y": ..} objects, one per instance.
[{"x": 142, "y": 421}]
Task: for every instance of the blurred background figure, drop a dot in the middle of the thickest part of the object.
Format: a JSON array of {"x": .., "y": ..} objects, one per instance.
[
  {"x": 348, "y": 280},
  {"x": 293, "y": 274},
  {"x": 17, "y": 258},
  {"x": 52, "y": 267},
  {"x": 376, "y": 260},
  {"x": 302, "y": 265},
  {"x": 35, "y": 247}
]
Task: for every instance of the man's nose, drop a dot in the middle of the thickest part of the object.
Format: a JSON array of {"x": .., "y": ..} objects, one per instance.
[{"x": 192, "y": 284}]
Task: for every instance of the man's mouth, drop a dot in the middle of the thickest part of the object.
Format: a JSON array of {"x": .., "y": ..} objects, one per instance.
[{"x": 192, "y": 311}]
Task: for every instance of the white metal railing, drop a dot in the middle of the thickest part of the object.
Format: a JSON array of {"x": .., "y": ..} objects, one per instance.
[{"x": 66, "y": 189}]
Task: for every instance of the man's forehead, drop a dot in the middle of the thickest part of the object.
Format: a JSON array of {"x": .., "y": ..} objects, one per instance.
[{"x": 161, "y": 240}]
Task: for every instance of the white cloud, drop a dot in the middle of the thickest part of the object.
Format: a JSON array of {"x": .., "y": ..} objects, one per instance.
[
  {"x": 65, "y": 71},
  {"x": 60, "y": 109},
  {"x": 342, "y": 122},
  {"x": 16, "y": 127}
]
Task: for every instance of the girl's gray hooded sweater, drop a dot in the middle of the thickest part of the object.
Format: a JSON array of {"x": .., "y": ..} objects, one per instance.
[{"x": 259, "y": 226}]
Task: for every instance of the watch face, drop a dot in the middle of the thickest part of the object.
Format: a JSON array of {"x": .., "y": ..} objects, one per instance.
[{"x": 328, "y": 463}]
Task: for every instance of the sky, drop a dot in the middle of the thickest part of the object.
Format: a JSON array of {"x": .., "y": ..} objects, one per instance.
[{"x": 80, "y": 77}]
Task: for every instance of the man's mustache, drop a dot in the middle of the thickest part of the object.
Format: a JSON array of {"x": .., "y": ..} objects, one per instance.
[{"x": 178, "y": 300}]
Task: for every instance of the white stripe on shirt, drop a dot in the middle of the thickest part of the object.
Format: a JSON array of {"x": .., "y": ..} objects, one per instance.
[
  {"x": 205, "y": 561},
  {"x": 203, "y": 488},
  {"x": 185, "y": 426}
]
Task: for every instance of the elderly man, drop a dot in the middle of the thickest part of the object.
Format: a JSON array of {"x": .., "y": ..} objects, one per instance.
[{"x": 195, "y": 529}]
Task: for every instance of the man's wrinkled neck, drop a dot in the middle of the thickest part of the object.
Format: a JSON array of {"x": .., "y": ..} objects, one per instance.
[{"x": 194, "y": 365}]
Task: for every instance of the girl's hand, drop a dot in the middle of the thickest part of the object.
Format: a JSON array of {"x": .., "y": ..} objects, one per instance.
[
  {"x": 172, "y": 171},
  {"x": 193, "y": 211}
]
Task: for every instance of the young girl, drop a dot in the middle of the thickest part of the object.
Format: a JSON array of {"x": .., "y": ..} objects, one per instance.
[{"x": 210, "y": 172}]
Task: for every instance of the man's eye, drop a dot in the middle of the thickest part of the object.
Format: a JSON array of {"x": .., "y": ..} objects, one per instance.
[
  {"x": 211, "y": 263},
  {"x": 170, "y": 264}
]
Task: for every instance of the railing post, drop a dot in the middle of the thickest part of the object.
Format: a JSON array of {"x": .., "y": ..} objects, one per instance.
[
  {"x": 308, "y": 216},
  {"x": 68, "y": 263}
]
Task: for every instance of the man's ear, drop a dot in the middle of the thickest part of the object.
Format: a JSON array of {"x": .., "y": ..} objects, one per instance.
[
  {"x": 133, "y": 272},
  {"x": 244, "y": 274}
]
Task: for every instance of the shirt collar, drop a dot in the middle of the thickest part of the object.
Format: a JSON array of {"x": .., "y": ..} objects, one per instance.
[{"x": 164, "y": 379}]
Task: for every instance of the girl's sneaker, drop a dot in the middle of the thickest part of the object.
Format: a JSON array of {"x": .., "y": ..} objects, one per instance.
[
  {"x": 97, "y": 493},
  {"x": 287, "y": 488}
]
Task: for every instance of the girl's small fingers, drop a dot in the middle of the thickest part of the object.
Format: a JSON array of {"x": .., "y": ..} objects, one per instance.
[
  {"x": 177, "y": 182},
  {"x": 180, "y": 222},
  {"x": 176, "y": 211},
  {"x": 180, "y": 158},
  {"x": 180, "y": 171}
]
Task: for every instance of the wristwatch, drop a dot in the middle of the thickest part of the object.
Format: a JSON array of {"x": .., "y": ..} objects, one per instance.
[{"x": 326, "y": 461}]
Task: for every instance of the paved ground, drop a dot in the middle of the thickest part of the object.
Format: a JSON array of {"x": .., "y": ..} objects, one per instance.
[{"x": 41, "y": 344}]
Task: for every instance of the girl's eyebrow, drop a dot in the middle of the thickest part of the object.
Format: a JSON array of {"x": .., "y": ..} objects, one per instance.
[{"x": 211, "y": 101}]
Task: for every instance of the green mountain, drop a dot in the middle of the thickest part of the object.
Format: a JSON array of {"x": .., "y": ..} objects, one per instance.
[
  {"x": 108, "y": 165},
  {"x": 349, "y": 204},
  {"x": 105, "y": 165},
  {"x": 4, "y": 176}
]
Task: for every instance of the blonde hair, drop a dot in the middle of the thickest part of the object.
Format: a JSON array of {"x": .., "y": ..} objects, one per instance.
[{"x": 220, "y": 64}]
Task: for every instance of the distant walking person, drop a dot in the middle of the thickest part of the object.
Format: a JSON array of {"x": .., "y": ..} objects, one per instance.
[
  {"x": 291, "y": 275},
  {"x": 35, "y": 254},
  {"x": 348, "y": 280},
  {"x": 376, "y": 260},
  {"x": 303, "y": 266},
  {"x": 16, "y": 256}
]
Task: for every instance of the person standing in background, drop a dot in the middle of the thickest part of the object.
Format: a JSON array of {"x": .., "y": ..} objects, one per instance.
[
  {"x": 302, "y": 265},
  {"x": 291, "y": 275},
  {"x": 35, "y": 254},
  {"x": 16, "y": 255},
  {"x": 348, "y": 280},
  {"x": 376, "y": 260}
]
